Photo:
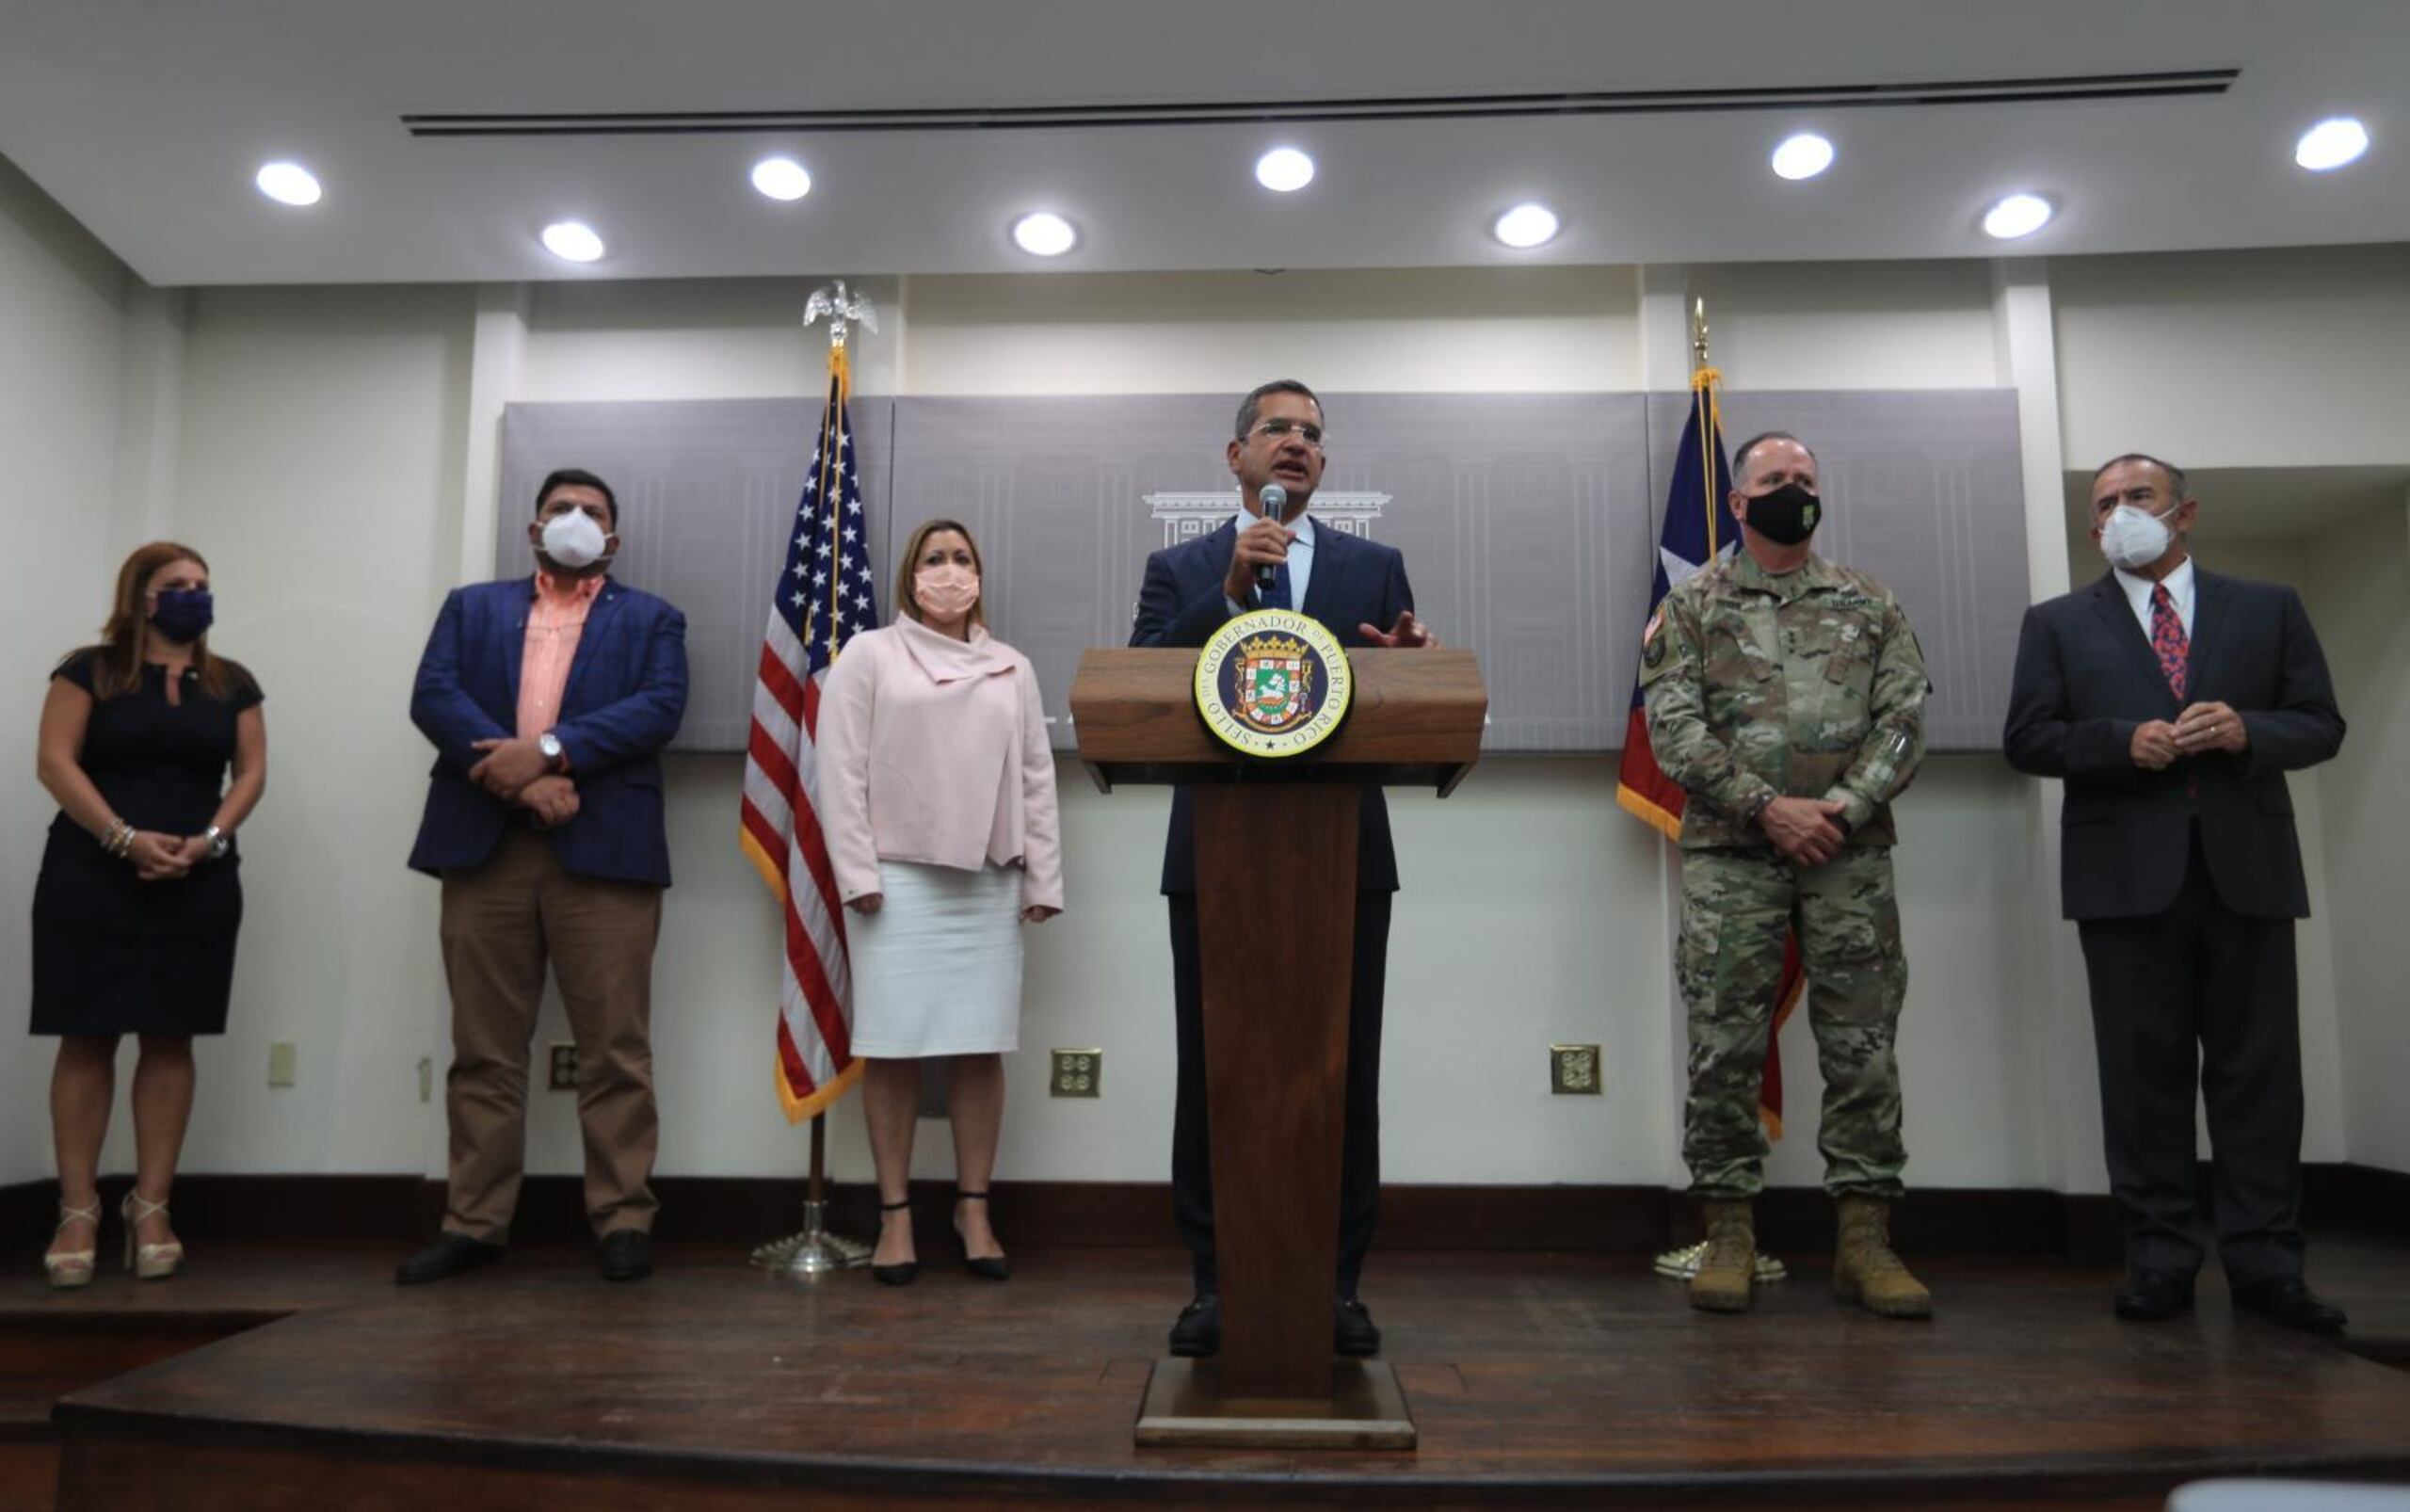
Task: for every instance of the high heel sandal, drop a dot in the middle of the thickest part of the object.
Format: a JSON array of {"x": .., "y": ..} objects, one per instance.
[
  {"x": 987, "y": 1268},
  {"x": 73, "y": 1267},
  {"x": 150, "y": 1263},
  {"x": 895, "y": 1275}
]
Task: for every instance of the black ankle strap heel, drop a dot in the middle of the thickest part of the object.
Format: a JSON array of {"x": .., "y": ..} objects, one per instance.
[
  {"x": 988, "y": 1267},
  {"x": 895, "y": 1275}
]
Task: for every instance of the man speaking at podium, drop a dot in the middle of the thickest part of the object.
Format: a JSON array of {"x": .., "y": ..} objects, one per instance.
[{"x": 1277, "y": 559}]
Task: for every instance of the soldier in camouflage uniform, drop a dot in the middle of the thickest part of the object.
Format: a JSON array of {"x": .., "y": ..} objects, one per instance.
[{"x": 1786, "y": 694}]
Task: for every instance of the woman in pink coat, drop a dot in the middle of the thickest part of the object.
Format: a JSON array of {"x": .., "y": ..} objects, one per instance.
[{"x": 937, "y": 792}]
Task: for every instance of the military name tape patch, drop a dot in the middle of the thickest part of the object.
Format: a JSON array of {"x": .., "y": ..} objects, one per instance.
[{"x": 1273, "y": 683}]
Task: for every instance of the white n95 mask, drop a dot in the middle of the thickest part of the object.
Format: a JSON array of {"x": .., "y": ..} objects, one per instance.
[
  {"x": 574, "y": 540},
  {"x": 2133, "y": 537}
]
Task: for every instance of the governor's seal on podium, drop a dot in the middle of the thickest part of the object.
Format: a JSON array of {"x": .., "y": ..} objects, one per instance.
[{"x": 1273, "y": 683}]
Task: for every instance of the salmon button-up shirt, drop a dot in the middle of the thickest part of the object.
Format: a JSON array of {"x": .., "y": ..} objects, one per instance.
[{"x": 555, "y": 623}]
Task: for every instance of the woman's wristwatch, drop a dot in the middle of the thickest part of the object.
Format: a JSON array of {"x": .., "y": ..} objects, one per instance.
[{"x": 219, "y": 842}]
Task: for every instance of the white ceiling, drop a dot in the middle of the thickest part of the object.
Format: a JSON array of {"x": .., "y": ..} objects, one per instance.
[{"x": 145, "y": 120}]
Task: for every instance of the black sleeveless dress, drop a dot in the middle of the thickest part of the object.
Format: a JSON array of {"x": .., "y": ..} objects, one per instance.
[{"x": 115, "y": 955}]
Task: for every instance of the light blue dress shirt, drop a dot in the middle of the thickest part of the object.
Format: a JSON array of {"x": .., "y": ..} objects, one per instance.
[{"x": 1301, "y": 561}]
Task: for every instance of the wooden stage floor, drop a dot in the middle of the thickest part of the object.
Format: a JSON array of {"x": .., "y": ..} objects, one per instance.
[{"x": 1542, "y": 1378}]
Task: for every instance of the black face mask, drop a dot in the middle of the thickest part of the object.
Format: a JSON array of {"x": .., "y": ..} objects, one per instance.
[{"x": 1787, "y": 516}]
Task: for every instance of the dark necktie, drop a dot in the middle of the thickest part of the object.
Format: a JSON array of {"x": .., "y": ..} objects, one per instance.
[
  {"x": 1276, "y": 596},
  {"x": 2168, "y": 640}
]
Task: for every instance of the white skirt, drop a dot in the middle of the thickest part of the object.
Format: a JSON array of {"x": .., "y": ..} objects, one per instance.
[{"x": 937, "y": 970}]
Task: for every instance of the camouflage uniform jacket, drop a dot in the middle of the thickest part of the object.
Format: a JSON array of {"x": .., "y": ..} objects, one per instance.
[{"x": 1808, "y": 685}]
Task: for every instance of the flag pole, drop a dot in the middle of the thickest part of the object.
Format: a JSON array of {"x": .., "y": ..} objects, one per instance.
[
  {"x": 1682, "y": 1264},
  {"x": 816, "y": 1251}
]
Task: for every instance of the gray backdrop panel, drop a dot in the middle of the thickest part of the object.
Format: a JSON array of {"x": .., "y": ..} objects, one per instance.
[
  {"x": 1529, "y": 523},
  {"x": 707, "y": 492},
  {"x": 1925, "y": 490}
]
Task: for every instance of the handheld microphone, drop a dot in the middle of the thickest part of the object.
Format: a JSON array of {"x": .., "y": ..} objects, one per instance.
[{"x": 1274, "y": 498}]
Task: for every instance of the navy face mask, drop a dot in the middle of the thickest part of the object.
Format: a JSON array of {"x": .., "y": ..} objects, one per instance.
[{"x": 184, "y": 615}]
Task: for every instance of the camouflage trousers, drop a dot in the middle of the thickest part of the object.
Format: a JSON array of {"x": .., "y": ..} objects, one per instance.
[{"x": 1736, "y": 906}]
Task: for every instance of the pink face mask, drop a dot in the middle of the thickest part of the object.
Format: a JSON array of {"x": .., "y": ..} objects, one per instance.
[{"x": 946, "y": 592}]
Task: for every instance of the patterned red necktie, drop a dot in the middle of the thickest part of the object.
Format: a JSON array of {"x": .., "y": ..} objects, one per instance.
[{"x": 2167, "y": 637}]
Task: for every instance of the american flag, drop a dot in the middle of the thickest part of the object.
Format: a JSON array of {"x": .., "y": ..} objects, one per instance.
[
  {"x": 1699, "y": 531},
  {"x": 825, "y": 593}
]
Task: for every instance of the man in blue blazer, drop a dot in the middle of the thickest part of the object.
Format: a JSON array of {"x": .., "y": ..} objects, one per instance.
[
  {"x": 548, "y": 700},
  {"x": 2173, "y": 700},
  {"x": 1354, "y": 588}
]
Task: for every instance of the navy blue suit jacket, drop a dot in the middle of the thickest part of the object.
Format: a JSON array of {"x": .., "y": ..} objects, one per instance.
[
  {"x": 2087, "y": 675},
  {"x": 625, "y": 695},
  {"x": 1354, "y": 582}
]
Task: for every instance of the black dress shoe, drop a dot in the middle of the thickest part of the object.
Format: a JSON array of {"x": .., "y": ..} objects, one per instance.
[
  {"x": 450, "y": 1255},
  {"x": 1197, "y": 1332},
  {"x": 627, "y": 1255},
  {"x": 2289, "y": 1302},
  {"x": 2155, "y": 1297},
  {"x": 1351, "y": 1330}
]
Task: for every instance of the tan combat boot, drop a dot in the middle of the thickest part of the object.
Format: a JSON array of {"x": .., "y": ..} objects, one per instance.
[
  {"x": 1725, "y": 1270},
  {"x": 1865, "y": 1270}
]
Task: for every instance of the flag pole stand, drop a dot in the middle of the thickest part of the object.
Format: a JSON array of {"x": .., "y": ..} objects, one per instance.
[{"x": 815, "y": 1252}]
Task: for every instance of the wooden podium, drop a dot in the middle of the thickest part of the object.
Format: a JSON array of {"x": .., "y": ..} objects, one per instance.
[{"x": 1275, "y": 917}]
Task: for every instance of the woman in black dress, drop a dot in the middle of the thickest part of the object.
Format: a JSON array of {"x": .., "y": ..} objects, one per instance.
[{"x": 139, "y": 897}]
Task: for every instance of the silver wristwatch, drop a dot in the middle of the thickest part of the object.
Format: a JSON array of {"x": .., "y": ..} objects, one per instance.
[
  {"x": 219, "y": 842},
  {"x": 550, "y": 745}
]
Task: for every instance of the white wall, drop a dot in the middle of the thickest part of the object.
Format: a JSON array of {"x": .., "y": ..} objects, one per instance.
[
  {"x": 2358, "y": 583},
  {"x": 1387, "y": 331},
  {"x": 62, "y": 305},
  {"x": 334, "y": 459},
  {"x": 321, "y": 439},
  {"x": 1851, "y": 325},
  {"x": 2258, "y": 359}
]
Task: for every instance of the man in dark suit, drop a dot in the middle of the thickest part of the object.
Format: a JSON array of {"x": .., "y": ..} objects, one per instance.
[
  {"x": 2172, "y": 701},
  {"x": 1354, "y": 586},
  {"x": 548, "y": 700}
]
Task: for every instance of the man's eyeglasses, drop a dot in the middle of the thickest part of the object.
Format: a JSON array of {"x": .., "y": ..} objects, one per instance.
[{"x": 1281, "y": 430}]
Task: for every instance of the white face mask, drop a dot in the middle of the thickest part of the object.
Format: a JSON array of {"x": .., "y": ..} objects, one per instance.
[
  {"x": 2133, "y": 538},
  {"x": 574, "y": 540}
]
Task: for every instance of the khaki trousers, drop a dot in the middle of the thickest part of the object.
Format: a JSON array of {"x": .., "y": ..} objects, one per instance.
[{"x": 502, "y": 922}]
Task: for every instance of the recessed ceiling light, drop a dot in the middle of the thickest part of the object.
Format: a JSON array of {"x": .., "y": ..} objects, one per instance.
[
  {"x": 2330, "y": 143},
  {"x": 573, "y": 240},
  {"x": 1285, "y": 168},
  {"x": 1525, "y": 226},
  {"x": 1803, "y": 156},
  {"x": 1044, "y": 234},
  {"x": 2019, "y": 214},
  {"x": 288, "y": 184},
  {"x": 781, "y": 178}
]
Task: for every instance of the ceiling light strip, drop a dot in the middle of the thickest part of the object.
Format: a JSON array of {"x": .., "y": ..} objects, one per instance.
[{"x": 993, "y": 117}]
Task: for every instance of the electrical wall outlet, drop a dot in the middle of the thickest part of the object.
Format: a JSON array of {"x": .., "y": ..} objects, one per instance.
[
  {"x": 1077, "y": 1074},
  {"x": 563, "y": 1061},
  {"x": 281, "y": 1058},
  {"x": 1574, "y": 1069}
]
